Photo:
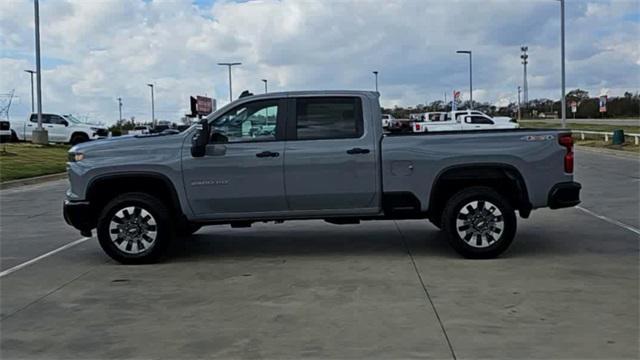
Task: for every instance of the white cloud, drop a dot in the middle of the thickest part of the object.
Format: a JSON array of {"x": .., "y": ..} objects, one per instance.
[{"x": 96, "y": 51}]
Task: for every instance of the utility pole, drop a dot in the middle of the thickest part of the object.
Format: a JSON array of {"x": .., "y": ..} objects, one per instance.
[
  {"x": 519, "y": 112},
  {"x": 31, "y": 72},
  {"x": 470, "y": 76},
  {"x": 524, "y": 56},
  {"x": 40, "y": 134},
  {"x": 265, "y": 85},
  {"x": 229, "y": 65},
  {"x": 375, "y": 73},
  {"x": 120, "y": 109},
  {"x": 153, "y": 110},
  {"x": 563, "y": 99}
]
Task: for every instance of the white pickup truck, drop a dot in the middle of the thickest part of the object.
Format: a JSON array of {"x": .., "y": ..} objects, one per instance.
[
  {"x": 465, "y": 120},
  {"x": 60, "y": 128}
]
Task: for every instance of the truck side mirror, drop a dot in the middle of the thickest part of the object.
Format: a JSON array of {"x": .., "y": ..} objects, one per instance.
[
  {"x": 65, "y": 122},
  {"x": 467, "y": 119},
  {"x": 200, "y": 140}
]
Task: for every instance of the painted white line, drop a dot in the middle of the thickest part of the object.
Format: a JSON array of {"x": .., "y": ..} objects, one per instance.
[
  {"x": 611, "y": 221},
  {"x": 34, "y": 260}
]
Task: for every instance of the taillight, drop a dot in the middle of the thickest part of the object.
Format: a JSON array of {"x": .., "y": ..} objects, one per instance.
[
  {"x": 567, "y": 141},
  {"x": 417, "y": 126}
]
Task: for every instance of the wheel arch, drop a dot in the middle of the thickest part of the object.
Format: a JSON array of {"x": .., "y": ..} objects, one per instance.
[
  {"x": 103, "y": 188},
  {"x": 504, "y": 178}
]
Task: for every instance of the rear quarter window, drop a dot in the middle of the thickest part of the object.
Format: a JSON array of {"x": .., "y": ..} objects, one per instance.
[{"x": 329, "y": 118}]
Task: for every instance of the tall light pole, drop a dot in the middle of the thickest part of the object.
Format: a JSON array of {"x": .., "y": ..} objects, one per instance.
[
  {"x": 265, "y": 85},
  {"x": 519, "y": 113},
  {"x": 39, "y": 135},
  {"x": 120, "y": 109},
  {"x": 525, "y": 87},
  {"x": 375, "y": 73},
  {"x": 229, "y": 65},
  {"x": 470, "y": 76},
  {"x": 563, "y": 100},
  {"x": 31, "y": 72},
  {"x": 153, "y": 109}
]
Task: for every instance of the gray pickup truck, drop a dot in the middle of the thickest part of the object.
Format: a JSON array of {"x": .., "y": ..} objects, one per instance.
[{"x": 313, "y": 155}]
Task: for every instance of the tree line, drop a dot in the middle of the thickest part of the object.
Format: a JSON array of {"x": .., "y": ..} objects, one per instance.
[{"x": 626, "y": 106}]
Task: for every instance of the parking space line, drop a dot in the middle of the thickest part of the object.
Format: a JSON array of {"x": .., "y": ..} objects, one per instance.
[
  {"x": 34, "y": 260},
  {"x": 611, "y": 221}
]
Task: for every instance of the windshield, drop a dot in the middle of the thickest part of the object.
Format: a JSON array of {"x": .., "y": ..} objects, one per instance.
[{"x": 73, "y": 119}]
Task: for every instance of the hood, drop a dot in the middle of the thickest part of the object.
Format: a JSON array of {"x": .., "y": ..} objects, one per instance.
[{"x": 134, "y": 141}]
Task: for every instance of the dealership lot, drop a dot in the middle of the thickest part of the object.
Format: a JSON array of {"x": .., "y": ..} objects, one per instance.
[{"x": 568, "y": 287}]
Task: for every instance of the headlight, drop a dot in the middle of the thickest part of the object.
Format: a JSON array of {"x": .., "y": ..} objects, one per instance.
[{"x": 75, "y": 157}]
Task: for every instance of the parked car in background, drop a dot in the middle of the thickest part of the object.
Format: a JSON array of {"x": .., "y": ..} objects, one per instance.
[
  {"x": 466, "y": 120},
  {"x": 60, "y": 128},
  {"x": 327, "y": 158},
  {"x": 139, "y": 130},
  {"x": 386, "y": 120},
  {"x": 5, "y": 131}
]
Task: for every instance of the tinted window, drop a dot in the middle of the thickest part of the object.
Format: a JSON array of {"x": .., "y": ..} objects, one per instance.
[
  {"x": 254, "y": 121},
  {"x": 329, "y": 118},
  {"x": 46, "y": 118},
  {"x": 480, "y": 120},
  {"x": 55, "y": 119}
]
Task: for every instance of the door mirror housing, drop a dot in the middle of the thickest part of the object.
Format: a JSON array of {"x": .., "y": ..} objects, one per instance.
[
  {"x": 467, "y": 119},
  {"x": 200, "y": 140}
]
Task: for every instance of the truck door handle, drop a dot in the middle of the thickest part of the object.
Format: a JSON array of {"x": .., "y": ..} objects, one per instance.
[
  {"x": 356, "y": 150},
  {"x": 267, "y": 154}
]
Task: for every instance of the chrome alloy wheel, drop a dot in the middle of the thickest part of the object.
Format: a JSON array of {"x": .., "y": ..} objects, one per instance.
[
  {"x": 133, "y": 230},
  {"x": 480, "y": 223}
]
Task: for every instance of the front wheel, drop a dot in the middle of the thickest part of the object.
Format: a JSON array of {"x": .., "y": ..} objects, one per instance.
[
  {"x": 135, "y": 228},
  {"x": 479, "y": 223}
]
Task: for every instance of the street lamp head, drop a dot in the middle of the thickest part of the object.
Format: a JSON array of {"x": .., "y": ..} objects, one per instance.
[
  {"x": 230, "y": 64},
  {"x": 375, "y": 72},
  {"x": 524, "y": 48},
  {"x": 264, "y": 80},
  {"x": 463, "y": 52},
  {"x": 150, "y": 85},
  {"x": 30, "y": 71}
]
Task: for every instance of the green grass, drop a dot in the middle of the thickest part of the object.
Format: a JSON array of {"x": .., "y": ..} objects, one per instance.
[
  {"x": 627, "y": 146},
  {"x": 24, "y": 160},
  {"x": 586, "y": 127}
]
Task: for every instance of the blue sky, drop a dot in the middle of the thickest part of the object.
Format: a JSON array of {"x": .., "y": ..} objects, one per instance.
[{"x": 95, "y": 51}]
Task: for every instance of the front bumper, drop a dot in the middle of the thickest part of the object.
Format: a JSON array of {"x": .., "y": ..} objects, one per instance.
[
  {"x": 564, "y": 195},
  {"x": 79, "y": 214}
]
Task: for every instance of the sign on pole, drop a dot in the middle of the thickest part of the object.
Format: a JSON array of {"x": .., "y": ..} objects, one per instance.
[
  {"x": 603, "y": 103},
  {"x": 201, "y": 105},
  {"x": 574, "y": 107},
  {"x": 456, "y": 97}
]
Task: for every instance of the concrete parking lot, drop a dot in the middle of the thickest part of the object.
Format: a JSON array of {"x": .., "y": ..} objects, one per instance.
[{"x": 567, "y": 288}]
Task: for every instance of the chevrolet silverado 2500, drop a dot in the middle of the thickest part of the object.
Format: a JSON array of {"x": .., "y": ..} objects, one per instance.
[{"x": 313, "y": 155}]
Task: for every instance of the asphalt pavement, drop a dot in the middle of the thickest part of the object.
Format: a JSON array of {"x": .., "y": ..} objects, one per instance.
[{"x": 567, "y": 288}]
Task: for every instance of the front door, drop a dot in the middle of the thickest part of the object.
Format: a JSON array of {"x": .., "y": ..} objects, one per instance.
[
  {"x": 241, "y": 174},
  {"x": 330, "y": 159},
  {"x": 56, "y": 126}
]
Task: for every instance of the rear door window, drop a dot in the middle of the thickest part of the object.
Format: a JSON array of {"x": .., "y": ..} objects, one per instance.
[{"x": 329, "y": 118}]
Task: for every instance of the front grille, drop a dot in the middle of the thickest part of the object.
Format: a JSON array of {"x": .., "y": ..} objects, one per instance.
[
  {"x": 4, "y": 125},
  {"x": 102, "y": 132}
]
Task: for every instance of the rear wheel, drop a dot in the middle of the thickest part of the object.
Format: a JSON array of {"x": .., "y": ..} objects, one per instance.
[
  {"x": 479, "y": 223},
  {"x": 135, "y": 228}
]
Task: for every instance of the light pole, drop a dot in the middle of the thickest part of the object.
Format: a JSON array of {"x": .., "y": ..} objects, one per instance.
[
  {"x": 120, "y": 109},
  {"x": 470, "y": 76},
  {"x": 229, "y": 65},
  {"x": 39, "y": 135},
  {"x": 525, "y": 87},
  {"x": 265, "y": 85},
  {"x": 519, "y": 113},
  {"x": 563, "y": 100},
  {"x": 153, "y": 110},
  {"x": 375, "y": 73},
  {"x": 31, "y": 72}
]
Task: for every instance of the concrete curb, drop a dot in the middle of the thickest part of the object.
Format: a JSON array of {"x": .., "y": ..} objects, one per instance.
[
  {"x": 31, "y": 181},
  {"x": 619, "y": 153}
]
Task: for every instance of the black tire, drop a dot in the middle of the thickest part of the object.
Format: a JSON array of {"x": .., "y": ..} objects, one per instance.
[
  {"x": 14, "y": 136},
  {"x": 163, "y": 227},
  {"x": 494, "y": 223},
  {"x": 187, "y": 229},
  {"x": 78, "y": 138}
]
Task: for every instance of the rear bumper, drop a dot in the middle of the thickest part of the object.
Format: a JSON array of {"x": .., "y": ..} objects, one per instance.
[
  {"x": 79, "y": 214},
  {"x": 564, "y": 195}
]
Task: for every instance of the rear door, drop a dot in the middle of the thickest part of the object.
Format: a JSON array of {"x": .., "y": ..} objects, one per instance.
[{"x": 330, "y": 161}]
